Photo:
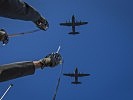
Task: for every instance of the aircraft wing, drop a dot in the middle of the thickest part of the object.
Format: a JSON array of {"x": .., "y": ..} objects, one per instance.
[
  {"x": 66, "y": 24},
  {"x": 71, "y": 75},
  {"x": 81, "y": 75},
  {"x": 80, "y": 23}
]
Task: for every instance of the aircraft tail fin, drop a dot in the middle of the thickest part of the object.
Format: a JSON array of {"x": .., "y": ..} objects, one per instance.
[
  {"x": 76, "y": 82},
  {"x": 74, "y": 33}
]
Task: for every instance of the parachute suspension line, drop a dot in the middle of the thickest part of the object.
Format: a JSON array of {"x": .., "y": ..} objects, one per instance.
[
  {"x": 58, "y": 83},
  {"x": 6, "y": 91},
  {"x": 22, "y": 33}
]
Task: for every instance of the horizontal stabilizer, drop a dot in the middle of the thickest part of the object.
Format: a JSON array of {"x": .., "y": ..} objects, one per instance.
[
  {"x": 74, "y": 33},
  {"x": 76, "y": 82}
]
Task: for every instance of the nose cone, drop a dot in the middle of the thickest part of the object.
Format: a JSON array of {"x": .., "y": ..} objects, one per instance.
[{"x": 76, "y": 70}]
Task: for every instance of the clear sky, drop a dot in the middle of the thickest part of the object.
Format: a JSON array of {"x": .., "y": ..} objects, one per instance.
[{"x": 104, "y": 49}]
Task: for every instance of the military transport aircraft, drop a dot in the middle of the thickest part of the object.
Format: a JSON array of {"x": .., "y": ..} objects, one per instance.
[
  {"x": 76, "y": 74},
  {"x": 73, "y": 24}
]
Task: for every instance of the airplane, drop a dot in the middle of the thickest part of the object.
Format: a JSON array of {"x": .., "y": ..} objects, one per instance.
[
  {"x": 73, "y": 24},
  {"x": 76, "y": 74}
]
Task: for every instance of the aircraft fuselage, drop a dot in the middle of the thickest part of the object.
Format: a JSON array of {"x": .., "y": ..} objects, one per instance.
[{"x": 73, "y": 24}]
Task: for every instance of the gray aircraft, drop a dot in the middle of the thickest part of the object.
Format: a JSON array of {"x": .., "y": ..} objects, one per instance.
[
  {"x": 76, "y": 74},
  {"x": 73, "y": 23}
]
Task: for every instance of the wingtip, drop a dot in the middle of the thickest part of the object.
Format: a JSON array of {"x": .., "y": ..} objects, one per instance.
[{"x": 89, "y": 74}]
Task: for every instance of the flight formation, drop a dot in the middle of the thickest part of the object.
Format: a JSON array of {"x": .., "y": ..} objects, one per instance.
[{"x": 73, "y": 23}]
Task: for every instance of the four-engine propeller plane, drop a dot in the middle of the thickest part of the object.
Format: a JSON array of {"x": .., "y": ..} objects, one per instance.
[
  {"x": 76, "y": 74},
  {"x": 73, "y": 23}
]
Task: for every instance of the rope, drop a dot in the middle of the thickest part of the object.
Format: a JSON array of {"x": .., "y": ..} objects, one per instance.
[
  {"x": 22, "y": 33},
  {"x": 57, "y": 87}
]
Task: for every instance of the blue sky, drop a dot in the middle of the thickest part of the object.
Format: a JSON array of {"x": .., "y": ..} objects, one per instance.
[{"x": 104, "y": 49}]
